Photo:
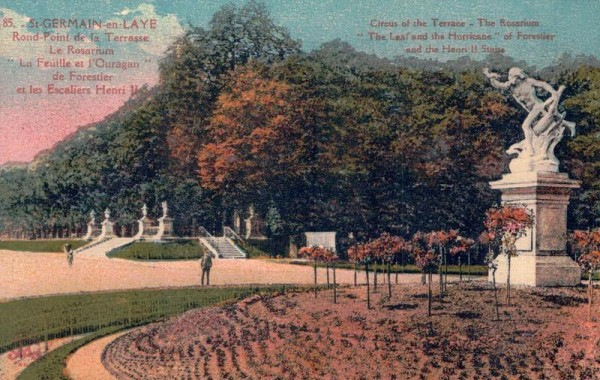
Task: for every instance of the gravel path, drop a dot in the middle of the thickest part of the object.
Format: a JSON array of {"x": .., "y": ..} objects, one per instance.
[
  {"x": 85, "y": 363},
  {"x": 24, "y": 274}
]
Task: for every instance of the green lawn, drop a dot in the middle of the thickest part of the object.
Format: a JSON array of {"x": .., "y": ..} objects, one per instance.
[
  {"x": 28, "y": 321},
  {"x": 173, "y": 250},
  {"x": 40, "y": 245}
]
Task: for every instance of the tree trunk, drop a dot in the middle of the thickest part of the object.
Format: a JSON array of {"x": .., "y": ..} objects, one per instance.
[
  {"x": 445, "y": 270},
  {"x": 327, "y": 268},
  {"x": 429, "y": 294},
  {"x": 495, "y": 294},
  {"x": 591, "y": 295},
  {"x": 389, "y": 273},
  {"x": 374, "y": 278},
  {"x": 440, "y": 265},
  {"x": 355, "y": 273},
  {"x": 334, "y": 286},
  {"x": 459, "y": 270},
  {"x": 508, "y": 282},
  {"x": 368, "y": 287},
  {"x": 469, "y": 265},
  {"x": 315, "y": 268}
]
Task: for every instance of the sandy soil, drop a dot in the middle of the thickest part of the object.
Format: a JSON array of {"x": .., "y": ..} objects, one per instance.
[
  {"x": 83, "y": 364},
  {"x": 36, "y": 274},
  {"x": 544, "y": 335}
]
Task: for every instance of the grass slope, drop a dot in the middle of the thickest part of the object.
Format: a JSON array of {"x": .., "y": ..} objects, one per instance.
[
  {"x": 33, "y": 320},
  {"x": 173, "y": 250},
  {"x": 40, "y": 245},
  {"x": 173, "y": 301}
]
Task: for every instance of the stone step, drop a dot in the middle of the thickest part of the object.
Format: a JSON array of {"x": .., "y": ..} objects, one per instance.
[
  {"x": 227, "y": 250},
  {"x": 101, "y": 249}
]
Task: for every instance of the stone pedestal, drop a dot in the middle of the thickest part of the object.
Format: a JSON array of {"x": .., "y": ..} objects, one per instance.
[
  {"x": 108, "y": 229},
  {"x": 165, "y": 225},
  {"x": 146, "y": 228},
  {"x": 254, "y": 228},
  {"x": 237, "y": 222},
  {"x": 165, "y": 228},
  {"x": 92, "y": 231},
  {"x": 293, "y": 250},
  {"x": 542, "y": 258}
]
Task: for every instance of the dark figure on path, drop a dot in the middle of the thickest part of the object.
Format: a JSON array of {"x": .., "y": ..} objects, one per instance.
[
  {"x": 206, "y": 264},
  {"x": 69, "y": 251}
]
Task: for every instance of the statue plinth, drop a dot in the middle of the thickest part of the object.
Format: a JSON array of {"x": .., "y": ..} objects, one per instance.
[
  {"x": 542, "y": 259},
  {"x": 146, "y": 228},
  {"x": 108, "y": 229},
  {"x": 92, "y": 231},
  {"x": 165, "y": 224}
]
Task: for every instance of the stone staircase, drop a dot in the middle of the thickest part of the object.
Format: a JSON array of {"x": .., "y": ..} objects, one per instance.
[
  {"x": 102, "y": 248},
  {"x": 227, "y": 249}
]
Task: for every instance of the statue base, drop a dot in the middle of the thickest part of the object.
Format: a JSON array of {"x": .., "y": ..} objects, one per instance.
[
  {"x": 108, "y": 230},
  {"x": 523, "y": 165},
  {"x": 535, "y": 270},
  {"x": 541, "y": 253},
  {"x": 92, "y": 232}
]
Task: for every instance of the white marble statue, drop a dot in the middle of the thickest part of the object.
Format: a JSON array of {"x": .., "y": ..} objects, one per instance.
[
  {"x": 542, "y": 128},
  {"x": 92, "y": 217},
  {"x": 144, "y": 210},
  {"x": 106, "y": 214},
  {"x": 165, "y": 208}
]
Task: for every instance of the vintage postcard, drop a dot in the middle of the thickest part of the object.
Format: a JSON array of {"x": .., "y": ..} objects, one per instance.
[{"x": 299, "y": 189}]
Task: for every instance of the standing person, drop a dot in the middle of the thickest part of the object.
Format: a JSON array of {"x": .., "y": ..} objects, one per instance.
[
  {"x": 70, "y": 257},
  {"x": 206, "y": 264},
  {"x": 69, "y": 251}
]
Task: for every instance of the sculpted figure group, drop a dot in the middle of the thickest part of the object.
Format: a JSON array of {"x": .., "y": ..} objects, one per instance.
[{"x": 542, "y": 128}]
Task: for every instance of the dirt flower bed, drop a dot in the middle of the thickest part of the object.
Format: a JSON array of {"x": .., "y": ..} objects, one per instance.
[{"x": 544, "y": 335}]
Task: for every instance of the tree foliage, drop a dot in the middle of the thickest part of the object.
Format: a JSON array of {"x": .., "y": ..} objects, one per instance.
[{"x": 333, "y": 139}]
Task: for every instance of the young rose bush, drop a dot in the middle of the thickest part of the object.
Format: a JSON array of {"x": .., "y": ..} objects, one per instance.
[
  {"x": 427, "y": 260},
  {"x": 317, "y": 254},
  {"x": 504, "y": 226},
  {"x": 587, "y": 244},
  {"x": 461, "y": 246},
  {"x": 441, "y": 241},
  {"x": 362, "y": 254},
  {"x": 386, "y": 248},
  {"x": 330, "y": 258}
]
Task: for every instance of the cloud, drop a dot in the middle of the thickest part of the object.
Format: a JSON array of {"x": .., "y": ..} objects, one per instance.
[{"x": 167, "y": 29}]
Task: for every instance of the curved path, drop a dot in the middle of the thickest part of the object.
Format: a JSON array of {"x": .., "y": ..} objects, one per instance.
[
  {"x": 86, "y": 363},
  {"x": 24, "y": 274}
]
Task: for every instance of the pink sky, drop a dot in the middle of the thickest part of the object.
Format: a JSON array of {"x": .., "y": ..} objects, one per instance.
[
  {"x": 37, "y": 122},
  {"x": 30, "y": 123}
]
